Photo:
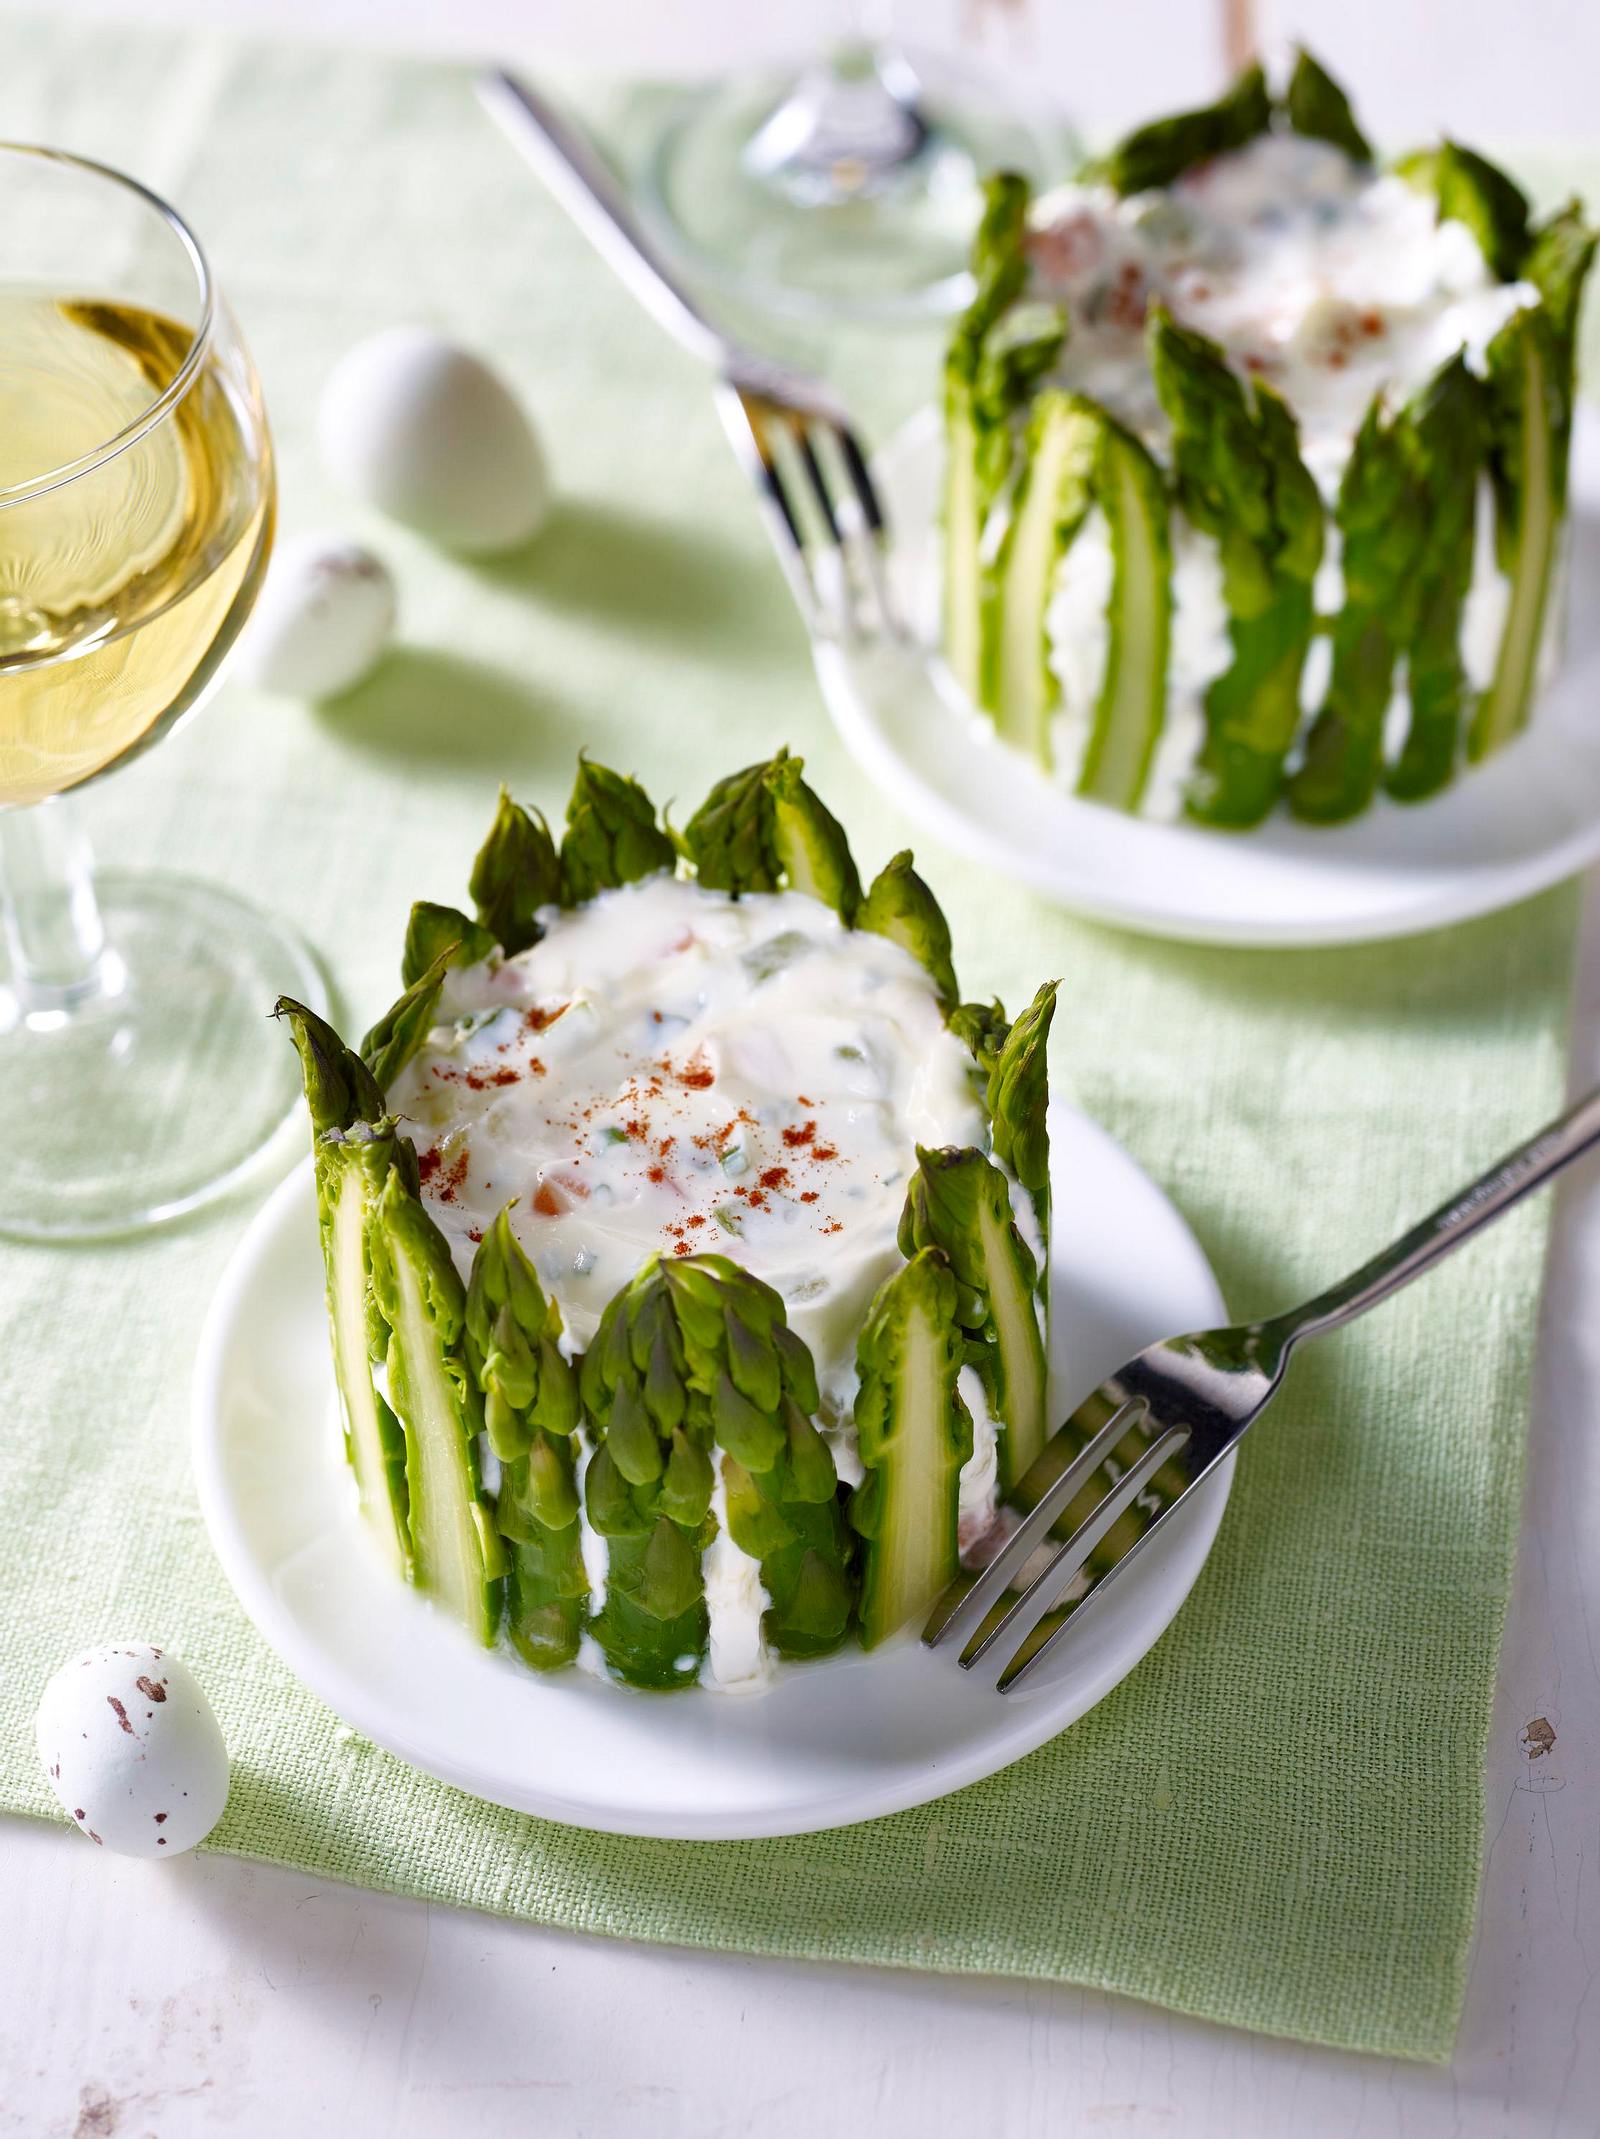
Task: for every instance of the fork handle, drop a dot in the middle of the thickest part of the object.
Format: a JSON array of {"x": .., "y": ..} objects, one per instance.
[
  {"x": 581, "y": 181},
  {"x": 1529, "y": 1167}
]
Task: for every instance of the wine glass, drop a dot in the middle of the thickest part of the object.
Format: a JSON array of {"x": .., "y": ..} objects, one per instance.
[
  {"x": 847, "y": 185},
  {"x": 136, "y": 515}
]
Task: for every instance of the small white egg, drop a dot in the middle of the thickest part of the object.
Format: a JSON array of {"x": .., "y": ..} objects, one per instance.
[
  {"x": 324, "y": 621},
  {"x": 132, "y": 1750},
  {"x": 425, "y": 431}
]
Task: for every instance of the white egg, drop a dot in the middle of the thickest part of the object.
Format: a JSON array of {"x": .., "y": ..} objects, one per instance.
[
  {"x": 428, "y": 433},
  {"x": 324, "y": 620},
  {"x": 132, "y": 1750}
]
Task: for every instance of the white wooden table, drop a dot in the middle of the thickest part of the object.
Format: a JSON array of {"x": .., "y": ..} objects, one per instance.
[{"x": 211, "y": 1996}]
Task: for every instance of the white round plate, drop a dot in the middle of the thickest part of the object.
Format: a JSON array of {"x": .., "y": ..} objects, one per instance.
[
  {"x": 835, "y": 1741},
  {"x": 1524, "y": 821}
]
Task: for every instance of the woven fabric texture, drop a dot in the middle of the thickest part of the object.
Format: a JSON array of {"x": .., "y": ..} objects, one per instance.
[{"x": 1276, "y": 1821}]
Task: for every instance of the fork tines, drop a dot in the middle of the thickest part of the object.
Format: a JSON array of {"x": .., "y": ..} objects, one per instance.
[
  {"x": 819, "y": 503},
  {"x": 1075, "y": 1535}
]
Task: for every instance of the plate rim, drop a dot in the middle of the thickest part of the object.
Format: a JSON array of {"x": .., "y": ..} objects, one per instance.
[
  {"x": 897, "y": 777},
  {"x": 322, "y": 1673}
]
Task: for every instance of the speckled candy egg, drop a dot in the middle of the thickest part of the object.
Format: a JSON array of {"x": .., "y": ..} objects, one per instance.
[
  {"x": 324, "y": 621},
  {"x": 429, "y": 434},
  {"x": 132, "y": 1750}
]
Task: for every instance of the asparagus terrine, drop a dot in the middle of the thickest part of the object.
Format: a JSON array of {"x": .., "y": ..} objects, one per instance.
[
  {"x": 1257, "y": 463},
  {"x": 686, "y": 1240}
]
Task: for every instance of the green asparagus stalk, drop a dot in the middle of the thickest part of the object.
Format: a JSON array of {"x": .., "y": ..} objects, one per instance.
[
  {"x": 1316, "y": 106},
  {"x": 1557, "y": 264},
  {"x": 899, "y": 905},
  {"x": 914, "y": 1436},
  {"x": 1052, "y": 498},
  {"x": 531, "y": 1413},
  {"x": 808, "y": 841},
  {"x": 340, "y": 1089},
  {"x": 982, "y": 1028},
  {"x": 612, "y": 837},
  {"x": 1156, "y": 154},
  {"x": 1133, "y": 696},
  {"x": 981, "y": 399},
  {"x": 351, "y": 1157},
  {"x": 351, "y": 1168},
  {"x": 405, "y": 1025},
  {"x": 1444, "y": 431},
  {"x": 435, "y": 932},
  {"x": 1383, "y": 520},
  {"x": 514, "y": 873},
  {"x": 729, "y": 837},
  {"x": 1019, "y": 1101},
  {"x": 692, "y": 1356},
  {"x": 457, "y": 1556},
  {"x": 1470, "y": 189},
  {"x": 764, "y": 829},
  {"x": 1527, "y": 422},
  {"x": 960, "y": 1203},
  {"x": 1241, "y": 480}
]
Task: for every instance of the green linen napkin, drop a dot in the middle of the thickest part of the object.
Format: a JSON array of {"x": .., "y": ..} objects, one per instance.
[{"x": 1276, "y": 1820}]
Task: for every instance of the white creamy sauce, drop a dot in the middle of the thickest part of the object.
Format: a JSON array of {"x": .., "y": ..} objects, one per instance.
[
  {"x": 1329, "y": 281},
  {"x": 979, "y": 1485},
  {"x": 671, "y": 1070},
  {"x": 1325, "y": 278},
  {"x": 737, "y": 1658}
]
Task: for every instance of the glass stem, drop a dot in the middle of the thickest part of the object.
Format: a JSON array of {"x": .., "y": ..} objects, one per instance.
[{"x": 51, "y": 920}]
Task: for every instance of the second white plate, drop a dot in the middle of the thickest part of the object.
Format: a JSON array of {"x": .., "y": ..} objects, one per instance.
[
  {"x": 841, "y": 1740},
  {"x": 1529, "y": 819}
]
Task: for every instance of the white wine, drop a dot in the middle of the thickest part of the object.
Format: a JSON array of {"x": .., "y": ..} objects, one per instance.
[{"x": 120, "y": 587}]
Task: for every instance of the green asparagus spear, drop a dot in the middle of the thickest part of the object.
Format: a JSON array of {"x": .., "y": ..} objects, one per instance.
[
  {"x": 960, "y": 1203},
  {"x": 514, "y": 873},
  {"x": 1557, "y": 264},
  {"x": 695, "y": 1355},
  {"x": 1315, "y": 105},
  {"x": 914, "y": 1435},
  {"x": 899, "y": 905},
  {"x": 531, "y": 1411},
  {"x": 1156, "y": 154},
  {"x": 1444, "y": 431},
  {"x": 981, "y": 1027},
  {"x": 612, "y": 836},
  {"x": 791, "y": 1521},
  {"x": 340, "y": 1089},
  {"x": 808, "y": 841},
  {"x": 1527, "y": 421},
  {"x": 405, "y": 1025},
  {"x": 1470, "y": 189},
  {"x": 1383, "y": 520},
  {"x": 352, "y": 1155},
  {"x": 1019, "y": 1101},
  {"x": 1241, "y": 480},
  {"x": 981, "y": 399},
  {"x": 1133, "y": 696},
  {"x": 1052, "y": 498},
  {"x": 435, "y": 932},
  {"x": 457, "y": 1556},
  {"x": 729, "y": 837},
  {"x": 764, "y": 829},
  {"x": 352, "y": 1167}
]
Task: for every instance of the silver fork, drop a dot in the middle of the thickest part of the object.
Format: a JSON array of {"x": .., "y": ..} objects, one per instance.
[
  {"x": 1138, "y": 1446},
  {"x": 789, "y": 432}
]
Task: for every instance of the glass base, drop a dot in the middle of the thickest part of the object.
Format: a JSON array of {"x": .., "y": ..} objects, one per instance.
[
  {"x": 163, "y": 1087},
  {"x": 852, "y": 188}
]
